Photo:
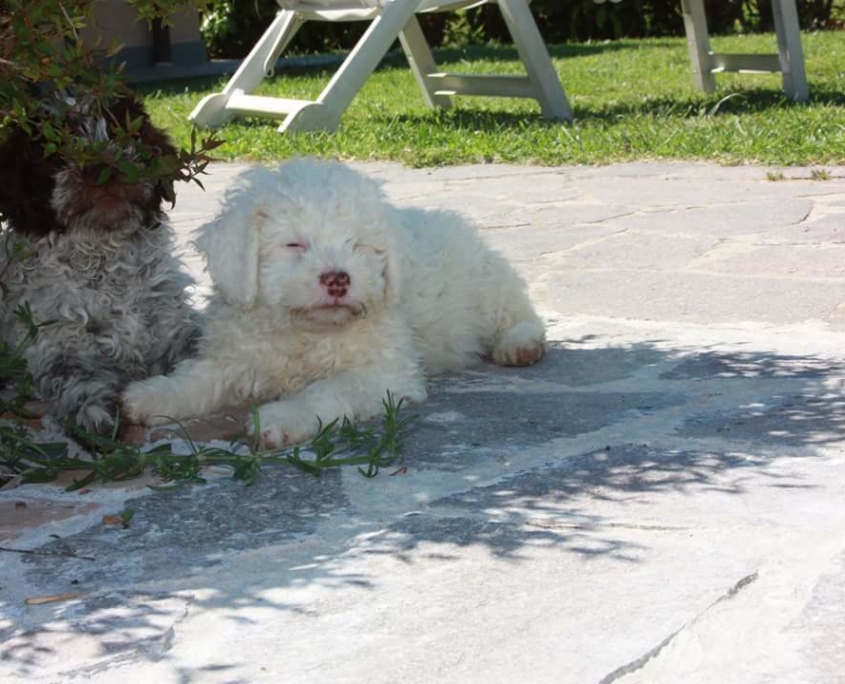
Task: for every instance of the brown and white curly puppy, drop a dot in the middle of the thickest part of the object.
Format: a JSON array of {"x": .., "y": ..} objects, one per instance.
[{"x": 98, "y": 262}]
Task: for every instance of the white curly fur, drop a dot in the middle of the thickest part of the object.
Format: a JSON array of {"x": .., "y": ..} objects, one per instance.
[{"x": 425, "y": 296}]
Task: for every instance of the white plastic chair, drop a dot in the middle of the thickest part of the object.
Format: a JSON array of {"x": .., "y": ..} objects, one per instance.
[
  {"x": 389, "y": 19},
  {"x": 789, "y": 60}
]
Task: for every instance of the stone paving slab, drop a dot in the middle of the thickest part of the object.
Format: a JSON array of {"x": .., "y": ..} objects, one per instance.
[{"x": 662, "y": 499}]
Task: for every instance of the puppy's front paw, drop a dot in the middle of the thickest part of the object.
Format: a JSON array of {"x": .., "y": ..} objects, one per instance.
[
  {"x": 144, "y": 403},
  {"x": 96, "y": 417},
  {"x": 284, "y": 423},
  {"x": 522, "y": 345}
]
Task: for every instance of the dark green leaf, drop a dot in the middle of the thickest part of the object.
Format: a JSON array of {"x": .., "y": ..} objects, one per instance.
[{"x": 104, "y": 175}]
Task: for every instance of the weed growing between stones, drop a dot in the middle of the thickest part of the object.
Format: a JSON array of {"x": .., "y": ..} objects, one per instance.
[{"x": 339, "y": 443}]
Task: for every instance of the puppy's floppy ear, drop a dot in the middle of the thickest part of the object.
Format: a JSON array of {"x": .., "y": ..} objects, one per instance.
[{"x": 230, "y": 243}]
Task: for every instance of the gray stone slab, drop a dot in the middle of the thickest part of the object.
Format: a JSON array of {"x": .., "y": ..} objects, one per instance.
[
  {"x": 705, "y": 192},
  {"x": 780, "y": 420},
  {"x": 787, "y": 261},
  {"x": 532, "y": 241},
  {"x": 715, "y": 365},
  {"x": 488, "y": 421},
  {"x": 614, "y": 473},
  {"x": 189, "y": 530},
  {"x": 694, "y": 297},
  {"x": 823, "y": 616},
  {"x": 575, "y": 363},
  {"x": 106, "y": 630},
  {"x": 664, "y": 170},
  {"x": 630, "y": 249},
  {"x": 659, "y": 500},
  {"x": 826, "y": 229},
  {"x": 722, "y": 220}
]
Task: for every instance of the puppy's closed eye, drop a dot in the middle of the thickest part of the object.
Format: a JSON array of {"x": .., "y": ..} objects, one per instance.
[
  {"x": 279, "y": 250},
  {"x": 369, "y": 249}
]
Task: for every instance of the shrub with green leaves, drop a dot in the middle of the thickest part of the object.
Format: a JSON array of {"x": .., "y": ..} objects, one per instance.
[
  {"x": 42, "y": 53},
  {"x": 48, "y": 76}
]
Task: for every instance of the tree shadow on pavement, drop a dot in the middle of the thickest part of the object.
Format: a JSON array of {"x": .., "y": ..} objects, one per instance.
[{"x": 500, "y": 461}]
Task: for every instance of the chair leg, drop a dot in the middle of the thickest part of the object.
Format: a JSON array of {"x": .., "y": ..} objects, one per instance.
[
  {"x": 538, "y": 63},
  {"x": 790, "y": 50},
  {"x": 211, "y": 111},
  {"x": 698, "y": 42},
  {"x": 355, "y": 70},
  {"x": 422, "y": 63}
]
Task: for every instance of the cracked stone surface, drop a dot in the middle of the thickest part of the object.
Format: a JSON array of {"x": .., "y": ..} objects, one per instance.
[{"x": 662, "y": 499}]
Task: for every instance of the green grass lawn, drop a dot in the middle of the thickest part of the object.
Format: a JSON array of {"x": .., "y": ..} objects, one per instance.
[{"x": 633, "y": 100}]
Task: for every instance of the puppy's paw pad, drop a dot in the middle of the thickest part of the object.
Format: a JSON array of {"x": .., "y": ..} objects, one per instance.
[
  {"x": 522, "y": 345},
  {"x": 519, "y": 356},
  {"x": 527, "y": 356},
  {"x": 273, "y": 438},
  {"x": 283, "y": 424}
]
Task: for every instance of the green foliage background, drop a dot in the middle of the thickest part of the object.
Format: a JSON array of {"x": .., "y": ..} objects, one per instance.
[
  {"x": 41, "y": 52},
  {"x": 231, "y": 27}
]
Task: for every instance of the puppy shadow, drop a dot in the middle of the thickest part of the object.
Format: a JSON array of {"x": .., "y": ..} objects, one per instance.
[
  {"x": 488, "y": 407},
  {"x": 494, "y": 411}
]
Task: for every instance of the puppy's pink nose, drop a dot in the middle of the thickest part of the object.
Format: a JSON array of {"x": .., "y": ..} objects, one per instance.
[{"x": 336, "y": 283}]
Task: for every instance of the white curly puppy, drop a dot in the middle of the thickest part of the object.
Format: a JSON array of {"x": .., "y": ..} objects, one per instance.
[{"x": 326, "y": 297}]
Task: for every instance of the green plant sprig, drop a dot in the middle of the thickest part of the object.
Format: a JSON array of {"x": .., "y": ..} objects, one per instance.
[
  {"x": 374, "y": 448},
  {"x": 339, "y": 443}
]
